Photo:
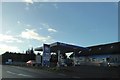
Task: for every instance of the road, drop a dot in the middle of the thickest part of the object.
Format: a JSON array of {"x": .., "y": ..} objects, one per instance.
[
  {"x": 0, "y": 72},
  {"x": 23, "y": 72},
  {"x": 77, "y": 72}
]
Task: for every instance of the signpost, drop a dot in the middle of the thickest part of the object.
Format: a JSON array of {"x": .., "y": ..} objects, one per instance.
[{"x": 46, "y": 55}]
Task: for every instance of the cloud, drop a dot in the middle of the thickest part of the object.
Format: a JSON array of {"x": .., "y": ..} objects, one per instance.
[
  {"x": 29, "y": 1},
  {"x": 4, "y": 48},
  {"x": 8, "y": 39},
  {"x": 40, "y": 28},
  {"x": 8, "y": 32},
  {"x": 48, "y": 27},
  {"x": 45, "y": 25},
  {"x": 52, "y": 30},
  {"x": 31, "y": 34},
  {"x": 18, "y": 22},
  {"x": 28, "y": 25}
]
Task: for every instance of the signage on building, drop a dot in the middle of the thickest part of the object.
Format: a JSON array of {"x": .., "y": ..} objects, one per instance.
[{"x": 46, "y": 55}]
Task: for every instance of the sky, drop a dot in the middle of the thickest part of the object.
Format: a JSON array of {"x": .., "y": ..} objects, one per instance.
[{"x": 30, "y": 24}]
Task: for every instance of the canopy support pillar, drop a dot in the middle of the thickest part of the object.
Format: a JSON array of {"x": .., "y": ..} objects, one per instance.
[{"x": 58, "y": 63}]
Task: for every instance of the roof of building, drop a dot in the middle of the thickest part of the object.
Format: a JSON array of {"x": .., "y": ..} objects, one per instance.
[
  {"x": 63, "y": 47},
  {"x": 110, "y": 48}
]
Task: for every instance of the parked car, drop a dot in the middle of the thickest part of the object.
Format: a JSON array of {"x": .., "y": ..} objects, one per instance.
[
  {"x": 31, "y": 63},
  {"x": 8, "y": 63},
  {"x": 114, "y": 64},
  {"x": 109, "y": 64}
]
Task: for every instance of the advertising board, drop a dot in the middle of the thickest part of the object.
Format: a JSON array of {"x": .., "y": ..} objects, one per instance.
[{"x": 46, "y": 55}]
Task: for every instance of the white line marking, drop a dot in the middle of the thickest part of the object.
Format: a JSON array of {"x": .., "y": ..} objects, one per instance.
[
  {"x": 22, "y": 68},
  {"x": 10, "y": 72},
  {"x": 24, "y": 75},
  {"x": 18, "y": 74}
]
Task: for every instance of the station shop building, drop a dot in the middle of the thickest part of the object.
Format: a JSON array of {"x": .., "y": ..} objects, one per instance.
[
  {"x": 92, "y": 55},
  {"x": 104, "y": 53}
]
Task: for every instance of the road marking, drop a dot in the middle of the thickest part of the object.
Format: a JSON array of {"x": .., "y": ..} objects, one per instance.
[
  {"x": 10, "y": 72},
  {"x": 18, "y": 74},
  {"x": 22, "y": 68},
  {"x": 24, "y": 75}
]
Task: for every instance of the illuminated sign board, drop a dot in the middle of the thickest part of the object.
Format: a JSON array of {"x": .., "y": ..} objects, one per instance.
[{"x": 46, "y": 55}]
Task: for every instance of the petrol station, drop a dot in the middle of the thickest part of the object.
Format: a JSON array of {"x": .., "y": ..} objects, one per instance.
[
  {"x": 60, "y": 49},
  {"x": 93, "y": 55}
]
